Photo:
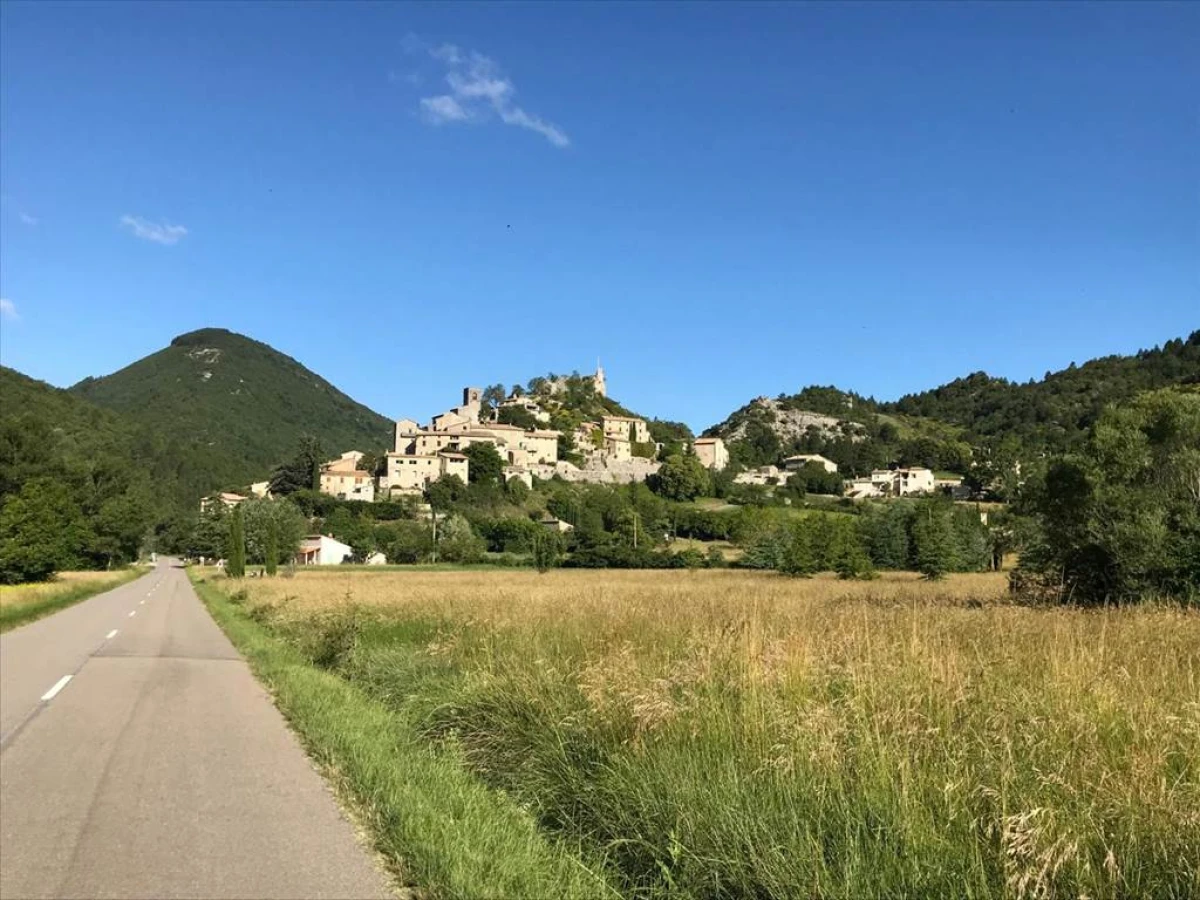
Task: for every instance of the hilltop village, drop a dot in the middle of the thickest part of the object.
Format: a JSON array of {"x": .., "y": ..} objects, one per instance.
[{"x": 611, "y": 449}]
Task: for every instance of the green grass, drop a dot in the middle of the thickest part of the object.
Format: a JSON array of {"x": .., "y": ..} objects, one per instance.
[
  {"x": 440, "y": 829},
  {"x": 15, "y": 615}
]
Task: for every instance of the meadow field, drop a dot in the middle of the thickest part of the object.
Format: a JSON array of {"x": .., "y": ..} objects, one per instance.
[
  {"x": 21, "y": 603},
  {"x": 719, "y": 733}
]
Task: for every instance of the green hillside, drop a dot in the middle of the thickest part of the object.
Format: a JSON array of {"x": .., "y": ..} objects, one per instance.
[
  {"x": 241, "y": 405},
  {"x": 80, "y": 486},
  {"x": 976, "y": 421},
  {"x": 1056, "y": 411}
]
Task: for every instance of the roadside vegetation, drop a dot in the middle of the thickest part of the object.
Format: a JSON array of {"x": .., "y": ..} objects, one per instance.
[
  {"x": 438, "y": 828},
  {"x": 731, "y": 733},
  {"x": 23, "y": 603}
]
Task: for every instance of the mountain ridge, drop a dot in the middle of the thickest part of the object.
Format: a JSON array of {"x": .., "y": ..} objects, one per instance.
[{"x": 248, "y": 403}]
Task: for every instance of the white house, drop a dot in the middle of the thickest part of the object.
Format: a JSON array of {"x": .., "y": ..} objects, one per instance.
[
  {"x": 800, "y": 460},
  {"x": 322, "y": 550},
  {"x": 903, "y": 482}
]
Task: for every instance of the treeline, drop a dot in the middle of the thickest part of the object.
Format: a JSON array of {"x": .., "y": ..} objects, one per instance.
[
  {"x": 982, "y": 427},
  {"x": 79, "y": 487},
  {"x": 1057, "y": 412},
  {"x": 932, "y": 536},
  {"x": 1119, "y": 520}
]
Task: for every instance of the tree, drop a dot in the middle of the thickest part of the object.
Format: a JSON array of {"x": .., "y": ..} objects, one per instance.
[
  {"x": 302, "y": 471},
  {"x": 680, "y": 478},
  {"x": 411, "y": 542},
  {"x": 484, "y": 464},
  {"x": 1120, "y": 521},
  {"x": 547, "y": 549},
  {"x": 271, "y": 563},
  {"x": 278, "y": 517},
  {"x": 798, "y": 556},
  {"x": 885, "y": 533},
  {"x": 518, "y": 416},
  {"x": 41, "y": 531},
  {"x": 848, "y": 557},
  {"x": 517, "y": 490},
  {"x": 494, "y": 395},
  {"x": 933, "y": 540},
  {"x": 442, "y": 494},
  {"x": 235, "y": 562},
  {"x": 457, "y": 542}
]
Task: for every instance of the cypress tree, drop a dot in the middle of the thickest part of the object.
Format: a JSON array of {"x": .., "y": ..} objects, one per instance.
[{"x": 235, "y": 567}]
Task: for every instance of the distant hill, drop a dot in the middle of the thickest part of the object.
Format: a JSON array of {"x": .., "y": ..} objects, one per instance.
[
  {"x": 944, "y": 427},
  {"x": 239, "y": 405},
  {"x": 1056, "y": 411},
  {"x": 39, "y": 422}
]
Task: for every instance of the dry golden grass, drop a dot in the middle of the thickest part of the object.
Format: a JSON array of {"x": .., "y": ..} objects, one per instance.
[
  {"x": 15, "y": 595},
  {"x": 784, "y": 737}
]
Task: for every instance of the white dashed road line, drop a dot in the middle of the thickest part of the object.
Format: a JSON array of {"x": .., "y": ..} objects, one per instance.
[
  {"x": 58, "y": 686},
  {"x": 132, "y": 613},
  {"x": 112, "y": 634}
]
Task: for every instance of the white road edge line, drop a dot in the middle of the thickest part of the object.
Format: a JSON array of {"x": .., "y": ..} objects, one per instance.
[
  {"x": 112, "y": 634},
  {"x": 58, "y": 686}
]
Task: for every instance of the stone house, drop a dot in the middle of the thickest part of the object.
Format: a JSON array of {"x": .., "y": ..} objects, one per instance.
[
  {"x": 348, "y": 485},
  {"x": 617, "y": 449},
  {"x": 626, "y": 427},
  {"x": 712, "y": 453},
  {"x": 410, "y": 473}
]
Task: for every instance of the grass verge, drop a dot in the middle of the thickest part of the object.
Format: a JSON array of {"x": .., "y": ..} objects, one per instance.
[
  {"x": 14, "y": 614},
  {"x": 719, "y": 734},
  {"x": 442, "y": 829}
]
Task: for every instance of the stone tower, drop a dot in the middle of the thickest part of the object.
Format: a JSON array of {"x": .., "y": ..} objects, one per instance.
[{"x": 599, "y": 382}]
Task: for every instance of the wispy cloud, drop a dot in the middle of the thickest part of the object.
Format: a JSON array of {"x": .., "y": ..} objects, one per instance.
[
  {"x": 443, "y": 108},
  {"x": 8, "y": 309},
  {"x": 158, "y": 232},
  {"x": 479, "y": 91},
  {"x": 27, "y": 218}
]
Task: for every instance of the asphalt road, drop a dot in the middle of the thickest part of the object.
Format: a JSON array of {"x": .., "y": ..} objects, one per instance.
[{"x": 160, "y": 768}]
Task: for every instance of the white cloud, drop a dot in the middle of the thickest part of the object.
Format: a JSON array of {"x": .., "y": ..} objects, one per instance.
[
  {"x": 8, "y": 309},
  {"x": 159, "y": 233},
  {"x": 442, "y": 109},
  {"x": 27, "y": 218},
  {"x": 479, "y": 90},
  {"x": 552, "y": 133}
]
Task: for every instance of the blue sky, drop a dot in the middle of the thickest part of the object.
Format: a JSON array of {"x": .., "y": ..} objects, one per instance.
[{"x": 718, "y": 201}]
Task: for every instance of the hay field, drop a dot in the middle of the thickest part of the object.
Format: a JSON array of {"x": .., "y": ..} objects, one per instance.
[
  {"x": 719, "y": 733},
  {"x": 21, "y": 603}
]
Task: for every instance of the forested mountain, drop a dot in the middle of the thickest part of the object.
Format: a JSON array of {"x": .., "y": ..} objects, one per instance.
[
  {"x": 1055, "y": 412},
  {"x": 81, "y": 486},
  {"x": 241, "y": 406},
  {"x": 977, "y": 422}
]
